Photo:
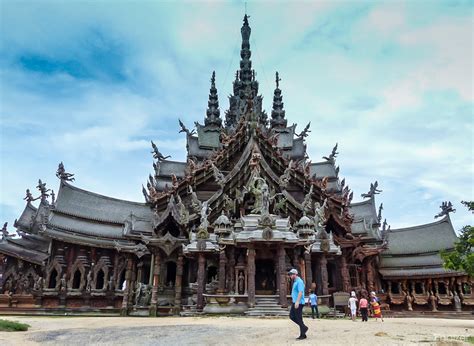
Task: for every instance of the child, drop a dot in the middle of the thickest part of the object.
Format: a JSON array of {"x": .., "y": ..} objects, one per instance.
[
  {"x": 377, "y": 312},
  {"x": 313, "y": 300},
  {"x": 363, "y": 306},
  {"x": 353, "y": 305}
]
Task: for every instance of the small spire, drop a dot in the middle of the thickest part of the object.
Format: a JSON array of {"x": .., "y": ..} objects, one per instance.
[
  {"x": 213, "y": 111},
  {"x": 278, "y": 113}
]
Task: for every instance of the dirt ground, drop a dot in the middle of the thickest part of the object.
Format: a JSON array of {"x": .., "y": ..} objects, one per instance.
[{"x": 235, "y": 331}]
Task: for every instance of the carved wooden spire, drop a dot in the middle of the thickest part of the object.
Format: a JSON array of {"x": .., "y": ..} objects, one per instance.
[
  {"x": 213, "y": 112},
  {"x": 278, "y": 113}
]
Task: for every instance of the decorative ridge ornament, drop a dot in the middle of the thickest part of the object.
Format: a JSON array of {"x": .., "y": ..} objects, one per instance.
[
  {"x": 63, "y": 175},
  {"x": 156, "y": 153},
  {"x": 373, "y": 190},
  {"x": 446, "y": 208},
  {"x": 333, "y": 155}
]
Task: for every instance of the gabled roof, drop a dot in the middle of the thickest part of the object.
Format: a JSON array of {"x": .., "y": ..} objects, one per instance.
[
  {"x": 24, "y": 222},
  {"x": 15, "y": 248},
  {"x": 323, "y": 169},
  {"x": 168, "y": 168},
  {"x": 88, "y": 205},
  {"x": 427, "y": 238}
]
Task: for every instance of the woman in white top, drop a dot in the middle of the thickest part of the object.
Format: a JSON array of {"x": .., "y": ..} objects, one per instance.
[{"x": 352, "y": 304}]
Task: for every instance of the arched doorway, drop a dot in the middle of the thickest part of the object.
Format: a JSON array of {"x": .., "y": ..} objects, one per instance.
[{"x": 265, "y": 282}]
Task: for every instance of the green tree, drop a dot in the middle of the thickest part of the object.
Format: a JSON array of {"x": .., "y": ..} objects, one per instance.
[{"x": 462, "y": 256}]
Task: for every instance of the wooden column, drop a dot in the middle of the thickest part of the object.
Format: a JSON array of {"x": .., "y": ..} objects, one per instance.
[
  {"x": 251, "y": 277},
  {"x": 346, "y": 281},
  {"x": 324, "y": 274},
  {"x": 231, "y": 270},
  {"x": 156, "y": 283},
  {"x": 128, "y": 280},
  {"x": 178, "y": 284},
  {"x": 309, "y": 272},
  {"x": 201, "y": 281},
  {"x": 222, "y": 264},
  {"x": 283, "y": 276},
  {"x": 369, "y": 265},
  {"x": 276, "y": 262}
]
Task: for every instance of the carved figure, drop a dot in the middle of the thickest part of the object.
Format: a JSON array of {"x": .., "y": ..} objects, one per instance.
[
  {"x": 38, "y": 284},
  {"x": 4, "y": 230},
  {"x": 333, "y": 155},
  {"x": 218, "y": 176},
  {"x": 44, "y": 191},
  {"x": 89, "y": 280},
  {"x": 457, "y": 302},
  {"x": 63, "y": 284},
  {"x": 286, "y": 176},
  {"x": 184, "y": 129},
  {"x": 138, "y": 292},
  {"x": 308, "y": 201},
  {"x": 320, "y": 214},
  {"x": 305, "y": 131},
  {"x": 62, "y": 174},
  {"x": 196, "y": 204},
  {"x": 279, "y": 206},
  {"x": 112, "y": 283},
  {"x": 324, "y": 183},
  {"x": 183, "y": 211},
  {"x": 156, "y": 153},
  {"x": 229, "y": 205},
  {"x": 174, "y": 181},
  {"x": 373, "y": 190},
  {"x": 29, "y": 197},
  {"x": 446, "y": 208},
  {"x": 241, "y": 283},
  {"x": 205, "y": 211}
]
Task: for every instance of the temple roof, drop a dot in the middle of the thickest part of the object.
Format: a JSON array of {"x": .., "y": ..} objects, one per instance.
[
  {"x": 22, "y": 250},
  {"x": 24, "y": 222},
  {"x": 365, "y": 219},
  {"x": 88, "y": 205},
  {"x": 431, "y": 237}
]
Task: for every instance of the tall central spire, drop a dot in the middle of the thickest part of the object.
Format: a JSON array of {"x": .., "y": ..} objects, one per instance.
[{"x": 245, "y": 63}]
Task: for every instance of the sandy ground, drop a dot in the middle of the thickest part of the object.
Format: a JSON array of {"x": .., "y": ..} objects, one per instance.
[{"x": 235, "y": 331}]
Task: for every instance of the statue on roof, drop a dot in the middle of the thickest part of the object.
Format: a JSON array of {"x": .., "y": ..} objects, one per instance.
[
  {"x": 446, "y": 208},
  {"x": 373, "y": 190},
  {"x": 333, "y": 155},
  {"x": 218, "y": 176},
  {"x": 62, "y": 174},
  {"x": 379, "y": 215},
  {"x": 205, "y": 211},
  {"x": 320, "y": 214},
  {"x": 196, "y": 204},
  {"x": 156, "y": 153},
  {"x": 304, "y": 133},
  {"x": 44, "y": 191},
  {"x": 184, "y": 129},
  {"x": 5, "y": 233},
  {"x": 29, "y": 197},
  {"x": 286, "y": 176},
  {"x": 307, "y": 204}
]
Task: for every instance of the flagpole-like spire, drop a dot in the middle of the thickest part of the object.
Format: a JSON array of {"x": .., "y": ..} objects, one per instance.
[{"x": 213, "y": 111}]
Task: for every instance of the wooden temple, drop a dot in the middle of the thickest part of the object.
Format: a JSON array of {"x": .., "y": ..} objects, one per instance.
[{"x": 219, "y": 232}]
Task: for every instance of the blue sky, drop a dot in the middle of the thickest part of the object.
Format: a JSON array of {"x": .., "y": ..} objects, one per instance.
[{"x": 91, "y": 83}]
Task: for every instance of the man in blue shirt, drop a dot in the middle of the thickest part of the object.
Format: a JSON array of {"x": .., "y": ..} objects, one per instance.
[{"x": 297, "y": 297}]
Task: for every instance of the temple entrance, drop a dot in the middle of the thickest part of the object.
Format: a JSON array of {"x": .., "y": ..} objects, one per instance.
[{"x": 265, "y": 277}]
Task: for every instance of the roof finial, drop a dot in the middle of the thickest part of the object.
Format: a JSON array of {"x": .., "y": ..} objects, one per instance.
[
  {"x": 213, "y": 111},
  {"x": 446, "y": 208},
  {"x": 278, "y": 113},
  {"x": 277, "y": 79}
]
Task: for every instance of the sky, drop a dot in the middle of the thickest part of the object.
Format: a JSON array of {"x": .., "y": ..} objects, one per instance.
[{"x": 90, "y": 83}]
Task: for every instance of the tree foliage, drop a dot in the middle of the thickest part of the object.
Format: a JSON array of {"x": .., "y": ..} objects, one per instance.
[{"x": 462, "y": 256}]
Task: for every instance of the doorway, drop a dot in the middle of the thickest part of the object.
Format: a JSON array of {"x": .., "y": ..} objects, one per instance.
[{"x": 265, "y": 277}]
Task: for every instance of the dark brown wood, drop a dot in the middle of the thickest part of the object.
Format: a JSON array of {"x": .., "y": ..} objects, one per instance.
[
  {"x": 309, "y": 272},
  {"x": 222, "y": 264},
  {"x": 251, "y": 276},
  {"x": 324, "y": 274},
  {"x": 201, "y": 283},
  {"x": 283, "y": 276},
  {"x": 179, "y": 283}
]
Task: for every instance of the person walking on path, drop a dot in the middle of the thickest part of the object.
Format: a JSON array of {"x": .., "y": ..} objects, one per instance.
[
  {"x": 352, "y": 304},
  {"x": 363, "y": 307},
  {"x": 297, "y": 297},
  {"x": 313, "y": 300},
  {"x": 374, "y": 302}
]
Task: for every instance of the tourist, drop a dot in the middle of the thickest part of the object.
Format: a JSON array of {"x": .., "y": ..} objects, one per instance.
[
  {"x": 297, "y": 297},
  {"x": 363, "y": 307},
  {"x": 352, "y": 304},
  {"x": 313, "y": 300},
  {"x": 374, "y": 302}
]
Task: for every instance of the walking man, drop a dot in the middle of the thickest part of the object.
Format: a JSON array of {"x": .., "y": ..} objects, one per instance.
[{"x": 297, "y": 297}]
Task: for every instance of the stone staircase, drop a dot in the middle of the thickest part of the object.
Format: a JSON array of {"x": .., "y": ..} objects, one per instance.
[{"x": 267, "y": 306}]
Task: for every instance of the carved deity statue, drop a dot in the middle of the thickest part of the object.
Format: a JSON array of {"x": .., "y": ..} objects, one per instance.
[
  {"x": 63, "y": 283},
  {"x": 286, "y": 176},
  {"x": 196, "y": 204},
  {"x": 305, "y": 131},
  {"x": 89, "y": 281},
  {"x": 446, "y": 208},
  {"x": 308, "y": 201},
  {"x": 62, "y": 174},
  {"x": 372, "y": 191},
  {"x": 185, "y": 130},
  {"x": 38, "y": 284},
  {"x": 44, "y": 191},
  {"x": 29, "y": 197},
  {"x": 138, "y": 292},
  {"x": 320, "y": 214},
  {"x": 205, "y": 211},
  {"x": 333, "y": 154},
  {"x": 156, "y": 153}
]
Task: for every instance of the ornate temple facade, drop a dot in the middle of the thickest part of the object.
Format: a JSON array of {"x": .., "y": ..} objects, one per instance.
[{"x": 219, "y": 232}]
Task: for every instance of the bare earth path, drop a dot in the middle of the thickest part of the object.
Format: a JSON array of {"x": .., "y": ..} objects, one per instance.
[{"x": 235, "y": 331}]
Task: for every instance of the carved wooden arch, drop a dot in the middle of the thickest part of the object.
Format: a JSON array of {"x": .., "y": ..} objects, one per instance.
[
  {"x": 78, "y": 265},
  {"x": 59, "y": 269},
  {"x": 101, "y": 265},
  {"x": 122, "y": 267}
]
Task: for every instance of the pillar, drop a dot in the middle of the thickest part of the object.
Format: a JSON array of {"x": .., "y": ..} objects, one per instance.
[
  {"x": 251, "y": 277},
  {"x": 222, "y": 264},
  {"x": 231, "y": 270},
  {"x": 346, "y": 281},
  {"x": 156, "y": 282},
  {"x": 309, "y": 273},
  {"x": 178, "y": 283},
  {"x": 126, "y": 293},
  {"x": 370, "y": 275},
  {"x": 283, "y": 276},
  {"x": 324, "y": 274},
  {"x": 201, "y": 282}
]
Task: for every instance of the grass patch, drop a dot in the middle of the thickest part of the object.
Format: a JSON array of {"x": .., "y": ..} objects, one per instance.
[
  {"x": 12, "y": 326},
  {"x": 470, "y": 339}
]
